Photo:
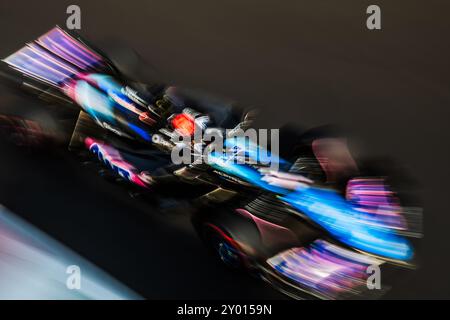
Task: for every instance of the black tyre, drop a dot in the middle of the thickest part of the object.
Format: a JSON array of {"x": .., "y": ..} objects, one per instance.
[{"x": 223, "y": 246}]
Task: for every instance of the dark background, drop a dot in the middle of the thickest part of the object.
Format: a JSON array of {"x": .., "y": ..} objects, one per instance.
[{"x": 307, "y": 62}]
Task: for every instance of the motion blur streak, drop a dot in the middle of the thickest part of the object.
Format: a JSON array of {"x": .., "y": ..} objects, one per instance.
[
  {"x": 67, "y": 59},
  {"x": 330, "y": 210},
  {"x": 325, "y": 269},
  {"x": 64, "y": 46},
  {"x": 33, "y": 266},
  {"x": 372, "y": 197}
]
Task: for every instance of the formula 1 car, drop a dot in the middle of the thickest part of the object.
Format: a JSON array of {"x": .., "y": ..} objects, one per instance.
[{"x": 306, "y": 219}]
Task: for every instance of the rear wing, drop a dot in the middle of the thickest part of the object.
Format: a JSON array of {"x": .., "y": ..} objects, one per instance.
[{"x": 56, "y": 57}]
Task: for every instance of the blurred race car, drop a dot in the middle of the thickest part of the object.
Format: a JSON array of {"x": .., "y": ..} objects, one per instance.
[{"x": 314, "y": 225}]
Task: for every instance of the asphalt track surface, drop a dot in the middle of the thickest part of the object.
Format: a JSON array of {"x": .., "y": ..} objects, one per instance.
[{"x": 306, "y": 62}]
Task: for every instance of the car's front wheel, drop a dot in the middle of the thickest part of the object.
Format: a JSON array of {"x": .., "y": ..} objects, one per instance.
[{"x": 223, "y": 246}]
